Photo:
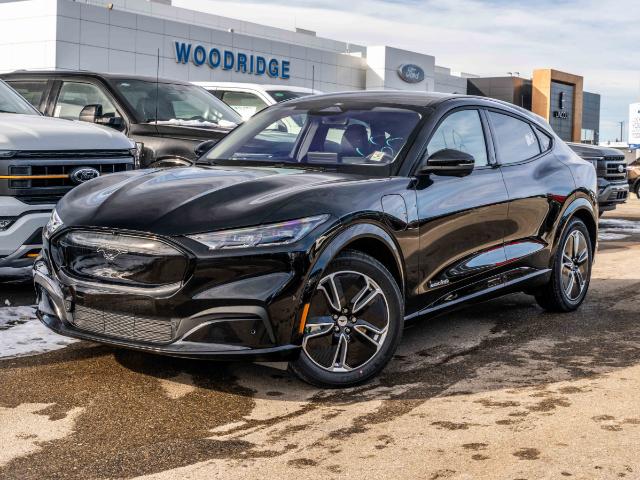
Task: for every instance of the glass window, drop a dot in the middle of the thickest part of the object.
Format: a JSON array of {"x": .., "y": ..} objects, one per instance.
[
  {"x": 32, "y": 91},
  {"x": 11, "y": 102},
  {"x": 74, "y": 96},
  {"x": 545, "y": 140},
  {"x": 245, "y": 103},
  {"x": 282, "y": 95},
  {"x": 515, "y": 138},
  {"x": 321, "y": 133},
  {"x": 177, "y": 104},
  {"x": 462, "y": 130}
]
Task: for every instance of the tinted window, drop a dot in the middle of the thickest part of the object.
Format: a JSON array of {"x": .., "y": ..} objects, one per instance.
[
  {"x": 245, "y": 103},
  {"x": 282, "y": 95},
  {"x": 462, "y": 131},
  {"x": 32, "y": 91},
  {"x": 322, "y": 133},
  {"x": 74, "y": 96},
  {"x": 515, "y": 138},
  {"x": 545, "y": 140}
]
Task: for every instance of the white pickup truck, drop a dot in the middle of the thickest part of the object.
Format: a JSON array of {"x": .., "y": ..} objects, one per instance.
[{"x": 41, "y": 159}]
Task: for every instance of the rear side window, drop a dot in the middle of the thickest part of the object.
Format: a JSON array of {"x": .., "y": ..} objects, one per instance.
[
  {"x": 32, "y": 91},
  {"x": 516, "y": 140},
  {"x": 545, "y": 140},
  {"x": 245, "y": 103}
]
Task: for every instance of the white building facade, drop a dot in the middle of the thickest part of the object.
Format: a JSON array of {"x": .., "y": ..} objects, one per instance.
[{"x": 142, "y": 37}]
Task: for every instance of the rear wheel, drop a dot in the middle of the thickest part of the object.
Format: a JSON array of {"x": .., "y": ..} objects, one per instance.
[
  {"x": 571, "y": 270},
  {"x": 354, "y": 323},
  {"x": 636, "y": 189}
]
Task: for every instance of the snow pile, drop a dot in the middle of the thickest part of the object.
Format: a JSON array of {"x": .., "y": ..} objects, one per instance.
[
  {"x": 617, "y": 229},
  {"x": 21, "y": 333}
]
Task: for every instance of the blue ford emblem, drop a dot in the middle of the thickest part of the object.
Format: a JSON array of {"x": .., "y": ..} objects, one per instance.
[
  {"x": 411, "y": 73},
  {"x": 83, "y": 174}
]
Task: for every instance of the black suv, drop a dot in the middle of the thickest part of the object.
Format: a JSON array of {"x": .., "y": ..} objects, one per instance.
[
  {"x": 611, "y": 169},
  {"x": 167, "y": 119},
  {"x": 317, "y": 244}
]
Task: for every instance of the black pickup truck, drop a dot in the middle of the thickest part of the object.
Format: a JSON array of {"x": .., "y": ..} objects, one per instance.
[
  {"x": 166, "y": 118},
  {"x": 611, "y": 169}
]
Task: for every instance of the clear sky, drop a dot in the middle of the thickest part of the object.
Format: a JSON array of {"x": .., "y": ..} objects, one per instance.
[{"x": 599, "y": 40}]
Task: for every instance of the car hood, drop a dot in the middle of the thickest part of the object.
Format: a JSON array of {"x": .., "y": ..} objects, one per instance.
[
  {"x": 35, "y": 132},
  {"x": 189, "y": 200}
]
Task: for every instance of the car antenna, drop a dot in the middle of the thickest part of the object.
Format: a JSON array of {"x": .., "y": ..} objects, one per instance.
[{"x": 157, "y": 84}]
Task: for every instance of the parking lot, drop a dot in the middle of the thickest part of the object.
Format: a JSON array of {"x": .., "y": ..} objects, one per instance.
[{"x": 499, "y": 390}]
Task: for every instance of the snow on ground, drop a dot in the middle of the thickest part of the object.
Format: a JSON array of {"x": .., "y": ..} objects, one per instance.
[
  {"x": 21, "y": 333},
  {"x": 617, "y": 229}
]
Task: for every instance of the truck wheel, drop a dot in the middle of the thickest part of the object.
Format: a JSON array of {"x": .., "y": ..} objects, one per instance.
[
  {"x": 354, "y": 323},
  {"x": 636, "y": 189},
  {"x": 571, "y": 270}
]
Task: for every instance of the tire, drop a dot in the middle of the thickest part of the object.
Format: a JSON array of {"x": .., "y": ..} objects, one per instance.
[
  {"x": 562, "y": 294},
  {"x": 636, "y": 189},
  {"x": 338, "y": 351}
]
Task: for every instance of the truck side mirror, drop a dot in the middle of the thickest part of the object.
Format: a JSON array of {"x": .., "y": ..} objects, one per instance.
[
  {"x": 203, "y": 147},
  {"x": 90, "y": 113}
]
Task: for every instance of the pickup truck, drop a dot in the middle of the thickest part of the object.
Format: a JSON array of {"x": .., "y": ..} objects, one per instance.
[
  {"x": 41, "y": 159},
  {"x": 611, "y": 169}
]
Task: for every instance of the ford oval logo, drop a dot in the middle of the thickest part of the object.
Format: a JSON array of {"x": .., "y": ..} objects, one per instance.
[
  {"x": 83, "y": 174},
  {"x": 411, "y": 73}
]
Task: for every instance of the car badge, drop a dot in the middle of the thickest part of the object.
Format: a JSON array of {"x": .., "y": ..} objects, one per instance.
[{"x": 110, "y": 254}]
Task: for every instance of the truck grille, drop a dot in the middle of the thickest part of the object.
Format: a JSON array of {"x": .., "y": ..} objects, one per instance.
[
  {"x": 610, "y": 167},
  {"x": 47, "y": 175},
  {"x": 125, "y": 326}
]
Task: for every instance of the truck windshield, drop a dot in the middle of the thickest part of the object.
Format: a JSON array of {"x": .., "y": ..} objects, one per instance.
[
  {"x": 321, "y": 133},
  {"x": 176, "y": 104},
  {"x": 12, "y": 102}
]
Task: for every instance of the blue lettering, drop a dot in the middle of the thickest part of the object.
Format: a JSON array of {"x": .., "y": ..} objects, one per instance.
[
  {"x": 242, "y": 63},
  {"x": 261, "y": 65},
  {"x": 182, "y": 52},
  {"x": 199, "y": 55},
  {"x": 284, "y": 71},
  {"x": 273, "y": 67},
  {"x": 250, "y": 63},
  {"x": 214, "y": 58},
  {"x": 228, "y": 60}
]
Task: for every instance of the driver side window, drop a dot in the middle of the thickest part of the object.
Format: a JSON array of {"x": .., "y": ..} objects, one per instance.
[
  {"x": 74, "y": 96},
  {"x": 462, "y": 130}
]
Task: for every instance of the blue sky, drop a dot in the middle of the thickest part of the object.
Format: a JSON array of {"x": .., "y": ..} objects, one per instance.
[{"x": 596, "y": 39}]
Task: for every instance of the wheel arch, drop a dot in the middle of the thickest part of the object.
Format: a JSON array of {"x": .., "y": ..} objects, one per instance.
[{"x": 583, "y": 209}]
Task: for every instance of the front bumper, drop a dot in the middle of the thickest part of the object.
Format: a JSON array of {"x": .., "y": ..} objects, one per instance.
[
  {"x": 228, "y": 328},
  {"x": 612, "y": 194}
]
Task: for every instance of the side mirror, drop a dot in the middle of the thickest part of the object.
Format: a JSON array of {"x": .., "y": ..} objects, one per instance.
[
  {"x": 113, "y": 122},
  {"x": 448, "y": 162},
  {"x": 90, "y": 113},
  {"x": 204, "y": 147}
]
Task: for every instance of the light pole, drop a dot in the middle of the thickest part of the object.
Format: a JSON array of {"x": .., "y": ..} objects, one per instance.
[{"x": 621, "y": 129}]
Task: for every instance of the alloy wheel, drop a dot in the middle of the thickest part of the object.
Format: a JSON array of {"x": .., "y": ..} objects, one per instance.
[
  {"x": 347, "y": 323},
  {"x": 575, "y": 265}
]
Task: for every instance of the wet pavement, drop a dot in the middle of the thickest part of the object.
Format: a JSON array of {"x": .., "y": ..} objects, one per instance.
[{"x": 498, "y": 390}]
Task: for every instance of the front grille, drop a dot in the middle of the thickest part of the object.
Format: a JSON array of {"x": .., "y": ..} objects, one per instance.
[
  {"x": 610, "y": 168},
  {"x": 125, "y": 259},
  {"x": 124, "y": 326},
  {"x": 45, "y": 176},
  {"x": 621, "y": 195}
]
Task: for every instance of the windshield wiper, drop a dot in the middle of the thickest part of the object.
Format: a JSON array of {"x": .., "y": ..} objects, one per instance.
[{"x": 6, "y": 111}]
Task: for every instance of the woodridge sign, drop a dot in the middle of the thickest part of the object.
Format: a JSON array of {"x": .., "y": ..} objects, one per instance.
[{"x": 236, "y": 61}]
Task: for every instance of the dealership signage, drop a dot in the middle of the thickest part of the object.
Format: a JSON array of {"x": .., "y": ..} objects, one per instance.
[
  {"x": 634, "y": 126},
  {"x": 411, "y": 73},
  {"x": 234, "y": 61},
  {"x": 561, "y": 114}
]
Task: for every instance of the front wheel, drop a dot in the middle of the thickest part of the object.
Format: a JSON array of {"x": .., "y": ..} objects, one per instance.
[
  {"x": 354, "y": 323},
  {"x": 571, "y": 272}
]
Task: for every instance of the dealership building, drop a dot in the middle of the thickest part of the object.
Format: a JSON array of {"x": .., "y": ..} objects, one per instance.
[{"x": 145, "y": 37}]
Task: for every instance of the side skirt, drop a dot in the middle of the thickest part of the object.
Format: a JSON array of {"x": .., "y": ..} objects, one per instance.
[{"x": 452, "y": 299}]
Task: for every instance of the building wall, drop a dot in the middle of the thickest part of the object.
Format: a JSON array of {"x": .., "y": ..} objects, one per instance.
[
  {"x": 383, "y": 63},
  {"x": 591, "y": 114},
  {"x": 563, "y": 126},
  {"x": 446, "y": 82}
]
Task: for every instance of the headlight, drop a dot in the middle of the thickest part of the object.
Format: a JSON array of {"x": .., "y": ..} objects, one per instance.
[
  {"x": 5, "y": 222},
  {"x": 54, "y": 224},
  {"x": 261, "y": 236},
  {"x": 137, "y": 154}
]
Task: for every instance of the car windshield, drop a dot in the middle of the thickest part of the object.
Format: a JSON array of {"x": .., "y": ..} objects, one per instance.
[
  {"x": 282, "y": 95},
  {"x": 321, "y": 133},
  {"x": 177, "y": 104},
  {"x": 12, "y": 102}
]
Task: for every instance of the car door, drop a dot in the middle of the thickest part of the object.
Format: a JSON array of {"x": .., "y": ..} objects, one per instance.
[
  {"x": 537, "y": 183},
  {"x": 461, "y": 219}
]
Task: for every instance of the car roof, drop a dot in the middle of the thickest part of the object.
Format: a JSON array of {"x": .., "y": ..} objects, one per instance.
[
  {"x": 83, "y": 73},
  {"x": 256, "y": 86}
]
